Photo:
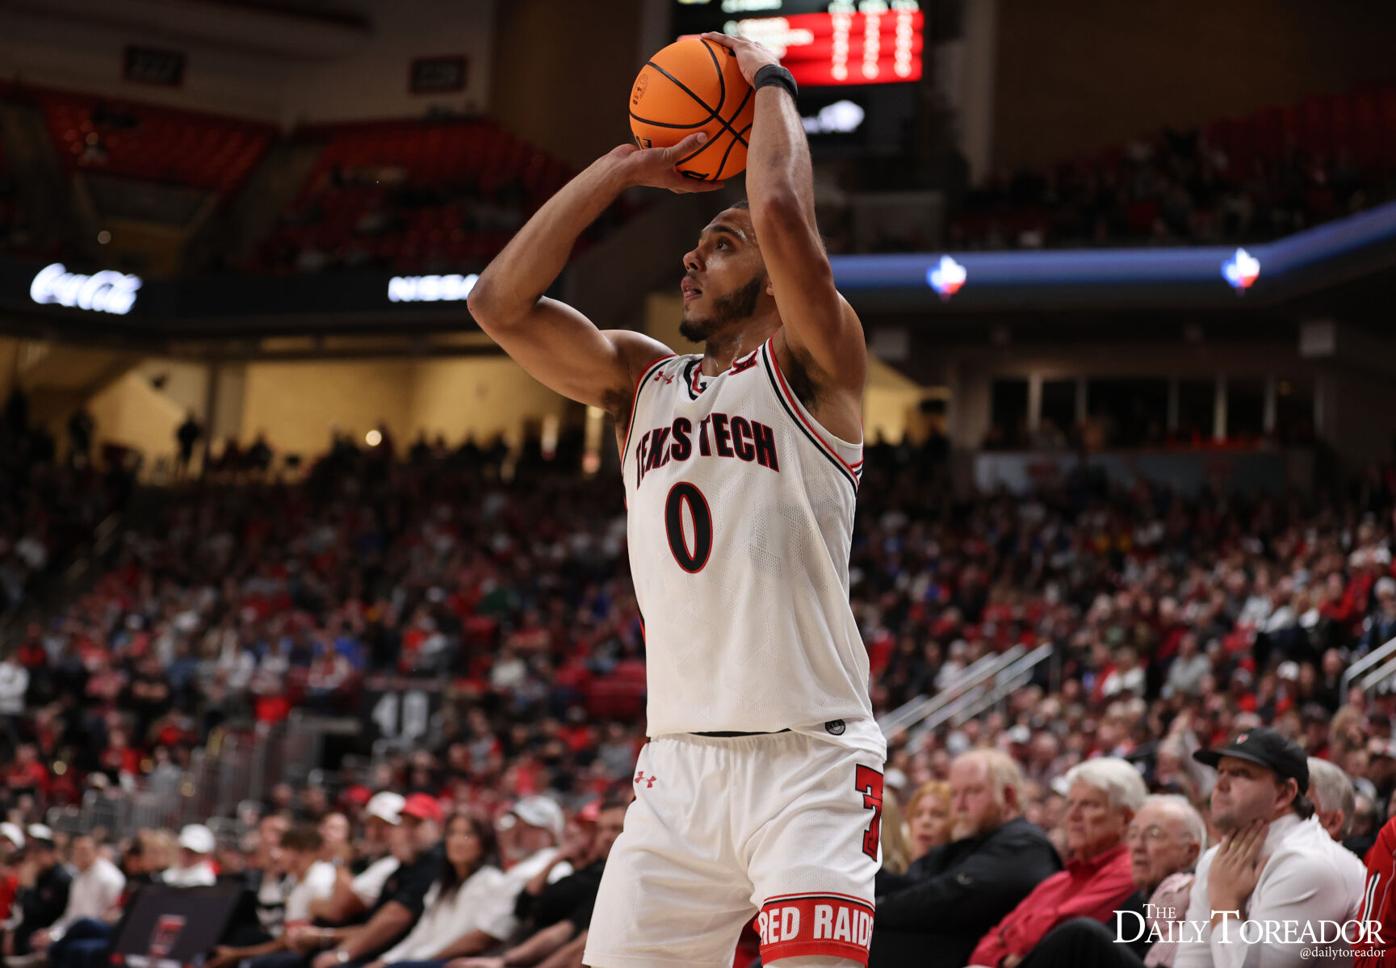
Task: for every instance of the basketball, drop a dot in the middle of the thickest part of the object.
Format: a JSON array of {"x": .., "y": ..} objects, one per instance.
[{"x": 695, "y": 85}]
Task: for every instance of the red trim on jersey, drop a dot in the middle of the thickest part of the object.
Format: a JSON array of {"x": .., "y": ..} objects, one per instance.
[
  {"x": 635, "y": 399},
  {"x": 797, "y": 408}
]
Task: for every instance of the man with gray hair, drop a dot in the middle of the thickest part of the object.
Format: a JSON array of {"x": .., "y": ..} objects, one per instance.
[
  {"x": 1103, "y": 796},
  {"x": 1165, "y": 839},
  {"x": 963, "y": 888},
  {"x": 1334, "y": 797}
]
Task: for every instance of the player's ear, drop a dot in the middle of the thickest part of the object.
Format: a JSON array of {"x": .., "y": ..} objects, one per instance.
[{"x": 770, "y": 286}]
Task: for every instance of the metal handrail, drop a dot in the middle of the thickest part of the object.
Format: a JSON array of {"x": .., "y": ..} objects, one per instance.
[
  {"x": 913, "y": 711},
  {"x": 977, "y": 673},
  {"x": 1382, "y": 652},
  {"x": 1380, "y": 675},
  {"x": 1016, "y": 676}
]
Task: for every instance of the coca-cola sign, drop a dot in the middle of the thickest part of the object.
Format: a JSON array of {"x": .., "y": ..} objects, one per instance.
[{"x": 106, "y": 291}]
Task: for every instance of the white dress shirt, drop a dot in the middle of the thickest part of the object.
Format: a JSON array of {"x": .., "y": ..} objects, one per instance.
[
  {"x": 1305, "y": 878},
  {"x": 93, "y": 894}
]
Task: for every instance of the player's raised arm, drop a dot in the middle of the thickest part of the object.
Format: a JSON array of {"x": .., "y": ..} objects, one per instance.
[
  {"x": 818, "y": 324},
  {"x": 555, "y": 343}
]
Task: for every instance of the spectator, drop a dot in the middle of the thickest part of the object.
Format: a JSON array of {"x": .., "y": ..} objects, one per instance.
[
  {"x": 415, "y": 842},
  {"x": 1103, "y": 796},
  {"x": 929, "y": 818},
  {"x": 529, "y": 836},
  {"x": 1378, "y": 949},
  {"x": 355, "y": 895},
  {"x": 96, "y": 891},
  {"x": 308, "y": 878},
  {"x": 562, "y": 941},
  {"x": 195, "y": 865},
  {"x": 1334, "y": 798},
  {"x": 1275, "y": 862},
  {"x": 934, "y": 916},
  {"x": 468, "y": 909},
  {"x": 187, "y": 434},
  {"x": 80, "y": 427},
  {"x": 44, "y": 886},
  {"x": 1165, "y": 839}
]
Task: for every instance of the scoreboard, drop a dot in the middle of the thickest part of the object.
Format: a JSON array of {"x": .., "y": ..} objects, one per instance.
[{"x": 829, "y": 43}]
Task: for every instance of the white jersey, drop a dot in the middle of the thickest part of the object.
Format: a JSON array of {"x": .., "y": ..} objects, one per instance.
[{"x": 740, "y": 524}]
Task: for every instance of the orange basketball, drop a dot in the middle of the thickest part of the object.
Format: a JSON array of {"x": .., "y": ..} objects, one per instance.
[{"x": 695, "y": 85}]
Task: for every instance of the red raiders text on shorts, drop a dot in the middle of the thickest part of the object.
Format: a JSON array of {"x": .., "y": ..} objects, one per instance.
[{"x": 827, "y": 925}]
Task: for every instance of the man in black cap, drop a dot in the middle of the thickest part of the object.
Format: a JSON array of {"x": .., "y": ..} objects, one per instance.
[{"x": 1276, "y": 877}]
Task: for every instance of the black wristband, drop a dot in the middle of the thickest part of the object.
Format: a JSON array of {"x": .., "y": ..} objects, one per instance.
[{"x": 775, "y": 74}]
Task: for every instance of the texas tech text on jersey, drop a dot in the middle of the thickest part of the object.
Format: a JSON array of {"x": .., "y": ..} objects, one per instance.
[{"x": 718, "y": 435}]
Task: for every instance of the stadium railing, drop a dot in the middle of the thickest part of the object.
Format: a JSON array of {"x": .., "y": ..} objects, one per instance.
[{"x": 1383, "y": 658}]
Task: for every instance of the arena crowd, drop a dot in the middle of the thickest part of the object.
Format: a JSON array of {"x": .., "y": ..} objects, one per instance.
[{"x": 1179, "y": 628}]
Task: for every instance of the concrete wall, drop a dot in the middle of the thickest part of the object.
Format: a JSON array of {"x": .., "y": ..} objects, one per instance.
[{"x": 298, "y": 405}]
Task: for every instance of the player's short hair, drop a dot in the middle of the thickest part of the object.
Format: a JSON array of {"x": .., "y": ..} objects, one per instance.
[
  {"x": 741, "y": 203},
  {"x": 1332, "y": 789},
  {"x": 1004, "y": 774},
  {"x": 1113, "y": 776}
]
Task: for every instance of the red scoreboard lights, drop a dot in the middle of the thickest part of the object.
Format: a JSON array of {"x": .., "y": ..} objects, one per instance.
[{"x": 844, "y": 43}]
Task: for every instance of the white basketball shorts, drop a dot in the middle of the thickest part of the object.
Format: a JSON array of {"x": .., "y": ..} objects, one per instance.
[{"x": 784, "y": 827}]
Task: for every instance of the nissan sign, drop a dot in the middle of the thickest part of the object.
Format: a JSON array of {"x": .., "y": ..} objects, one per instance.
[{"x": 102, "y": 292}]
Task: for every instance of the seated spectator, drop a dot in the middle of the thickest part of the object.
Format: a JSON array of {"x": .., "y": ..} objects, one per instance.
[
  {"x": 1334, "y": 798},
  {"x": 1378, "y": 948},
  {"x": 307, "y": 879},
  {"x": 929, "y": 819},
  {"x": 1275, "y": 862},
  {"x": 529, "y": 836},
  {"x": 415, "y": 842},
  {"x": 563, "y": 941},
  {"x": 1165, "y": 839},
  {"x": 44, "y": 887},
  {"x": 953, "y": 895},
  {"x": 467, "y": 904},
  {"x": 96, "y": 891},
  {"x": 1103, "y": 796},
  {"x": 195, "y": 865},
  {"x": 355, "y": 894}
]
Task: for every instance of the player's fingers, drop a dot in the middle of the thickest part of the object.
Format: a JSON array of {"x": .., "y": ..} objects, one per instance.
[
  {"x": 687, "y": 146},
  {"x": 692, "y": 186},
  {"x": 720, "y": 38}
]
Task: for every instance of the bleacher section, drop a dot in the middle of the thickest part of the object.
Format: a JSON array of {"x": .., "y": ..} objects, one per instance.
[
  {"x": 412, "y": 195},
  {"x": 153, "y": 143}
]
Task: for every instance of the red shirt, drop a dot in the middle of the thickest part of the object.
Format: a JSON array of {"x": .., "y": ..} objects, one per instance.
[
  {"x": 1086, "y": 889},
  {"x": 1379, "y": 901}
]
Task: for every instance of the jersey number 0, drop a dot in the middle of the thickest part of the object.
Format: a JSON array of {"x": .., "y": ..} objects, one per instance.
[{"x": 685, "y": 496}]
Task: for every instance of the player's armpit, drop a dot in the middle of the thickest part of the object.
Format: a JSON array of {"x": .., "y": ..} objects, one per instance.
[{"x": 564, "y": 350}]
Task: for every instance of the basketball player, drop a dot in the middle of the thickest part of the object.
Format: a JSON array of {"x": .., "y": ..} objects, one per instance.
[{"x": 759, "y": 792}]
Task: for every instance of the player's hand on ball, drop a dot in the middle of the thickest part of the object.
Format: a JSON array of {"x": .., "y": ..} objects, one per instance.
[
  {"x": 655, "y": 167},
  {"x": 751, "y": 56}
]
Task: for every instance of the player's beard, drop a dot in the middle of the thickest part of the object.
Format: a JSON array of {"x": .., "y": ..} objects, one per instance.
[{"x": 739, "y": 304}]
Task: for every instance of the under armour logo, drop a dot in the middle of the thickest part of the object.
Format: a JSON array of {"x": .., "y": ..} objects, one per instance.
[
  {"x": 743, "y": 365},
  {"x": 661, "y": 375},
  {"x": 648, "y": 781}
]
